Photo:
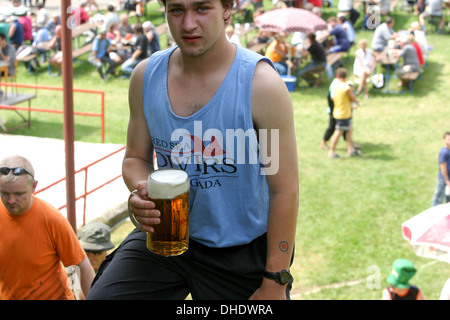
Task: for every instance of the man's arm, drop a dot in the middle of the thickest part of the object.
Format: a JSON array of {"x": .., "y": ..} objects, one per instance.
[
  {"x": 272, "y": 110},
  {"x": 138, "y": 160},
  {"x": 87, "y": 274},
  {"x": 444, "y": 171}
]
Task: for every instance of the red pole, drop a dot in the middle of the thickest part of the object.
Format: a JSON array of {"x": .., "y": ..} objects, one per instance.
[{"x": 67, "y": 75}]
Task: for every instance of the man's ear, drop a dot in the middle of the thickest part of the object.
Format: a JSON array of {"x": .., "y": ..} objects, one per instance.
[{"x": 227, "y": 12}]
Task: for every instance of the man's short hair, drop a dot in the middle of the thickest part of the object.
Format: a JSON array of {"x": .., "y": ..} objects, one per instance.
[
  {"x": 14, "y": 162},
  {"x": 341, "y": 73}
]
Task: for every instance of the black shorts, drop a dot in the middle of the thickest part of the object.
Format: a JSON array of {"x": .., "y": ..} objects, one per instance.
[
  {"x": 343, "y": 124},
  {"x": 133, "y": 272}
]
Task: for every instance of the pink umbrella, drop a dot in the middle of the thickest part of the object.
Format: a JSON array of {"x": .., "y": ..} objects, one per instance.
[
  {"x": 429, "y": 233},
  {"x": 290, "y": 20}
]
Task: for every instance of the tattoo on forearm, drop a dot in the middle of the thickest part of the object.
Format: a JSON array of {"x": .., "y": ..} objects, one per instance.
[{"x": 284, "y": 246}]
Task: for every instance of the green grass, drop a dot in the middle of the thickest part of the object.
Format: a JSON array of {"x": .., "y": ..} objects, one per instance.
[{"x": 351, "y": 209}]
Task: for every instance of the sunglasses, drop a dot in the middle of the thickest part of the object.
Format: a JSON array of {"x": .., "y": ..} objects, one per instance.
[{"x": 15, "y": 171}]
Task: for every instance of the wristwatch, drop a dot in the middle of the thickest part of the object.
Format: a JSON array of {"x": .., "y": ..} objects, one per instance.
[{"x": 281, "y": 277}]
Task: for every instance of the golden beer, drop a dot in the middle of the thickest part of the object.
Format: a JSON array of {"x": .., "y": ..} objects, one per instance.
[{"x": 169, "y": 190}]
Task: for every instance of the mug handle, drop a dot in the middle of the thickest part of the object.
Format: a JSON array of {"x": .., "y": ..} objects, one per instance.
[{"x": 130, "y": 214}]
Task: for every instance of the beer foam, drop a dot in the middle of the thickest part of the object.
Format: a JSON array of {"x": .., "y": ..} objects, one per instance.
[{"x": 167, "y": 183}]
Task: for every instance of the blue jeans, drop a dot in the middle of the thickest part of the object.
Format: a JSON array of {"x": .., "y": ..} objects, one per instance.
[
  {"x": 311, "y": 66},
  {"x": 128, "y": 66},
  {"x": 439, "y": 193},
  {"x": 281, "y": 67}
]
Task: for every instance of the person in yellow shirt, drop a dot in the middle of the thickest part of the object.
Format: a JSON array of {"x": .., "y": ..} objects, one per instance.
[{"x": 343, "y": 97}]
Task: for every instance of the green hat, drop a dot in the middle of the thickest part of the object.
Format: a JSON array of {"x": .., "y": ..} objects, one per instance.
[
  {"x": 402, "y": 271},
  {"x": 95, "y": 236}
]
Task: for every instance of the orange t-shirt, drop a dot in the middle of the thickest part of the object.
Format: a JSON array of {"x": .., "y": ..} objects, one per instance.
[{"x": 32, "y": 247}]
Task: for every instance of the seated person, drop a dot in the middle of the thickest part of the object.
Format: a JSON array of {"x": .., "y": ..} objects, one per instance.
[
  {"x": 348, "y": 27},
  {"x": 382, "y": 34},
  {"x": 412, "y": 41},
  {"x": 139, "y": 51},
  {"x": 341, "y": 43},
  {"x": 15, "y": 32},
  {"x": 433, "y": 9},
  {"x": 152, "y": 37},
  {"x": 277, "y": 52},
  {"x": 420, "y": 38},
  {"x": 318, "y": 60},
  {"x": 7, "y": 54},
  {"x": 41, "y": 39},
  {"x": 100, "y": 54},
  {"x": 363, "y": 66},
  {"x": 346, "y": 6},
  {"x": 410, "y": 59}
]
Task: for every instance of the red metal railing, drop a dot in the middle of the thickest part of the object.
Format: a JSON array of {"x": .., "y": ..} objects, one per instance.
[
  {"x": 86, "y": 192},
  {"x": 101, "y": 115}
]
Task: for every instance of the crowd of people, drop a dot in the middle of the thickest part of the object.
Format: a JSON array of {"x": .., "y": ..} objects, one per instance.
[
  {"x": 249, "y": 259},
  {"x": 305, "y": 56},
  {"x": 33, "y": 30}
]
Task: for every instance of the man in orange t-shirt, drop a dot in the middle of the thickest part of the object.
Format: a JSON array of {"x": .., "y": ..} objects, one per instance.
[{"x": 36, "y": 241}]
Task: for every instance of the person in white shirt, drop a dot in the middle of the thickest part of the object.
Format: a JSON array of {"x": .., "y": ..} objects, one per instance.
[{"x": 363, "y": 66}]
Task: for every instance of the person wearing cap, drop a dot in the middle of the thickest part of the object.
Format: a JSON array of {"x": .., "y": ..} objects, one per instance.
[
  {"x": 41, "y": 40},
  {"x": 36, "y": 240},
  {"x": 399, "y": 288},
  {"x": 100, "y": 54},
  {"x": 95, "y": 240}
]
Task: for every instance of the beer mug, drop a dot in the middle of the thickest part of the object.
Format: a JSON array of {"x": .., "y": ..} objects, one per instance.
[{"x": 169, "y": 190}]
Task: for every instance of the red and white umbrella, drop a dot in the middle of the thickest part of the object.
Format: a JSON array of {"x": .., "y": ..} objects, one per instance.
[
  {"x": 290, "y": 20},
  {"x": 429, "y": 233}
]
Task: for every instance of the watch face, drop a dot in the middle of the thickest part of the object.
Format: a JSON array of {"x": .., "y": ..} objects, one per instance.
[{"x": 284, "y": 277}]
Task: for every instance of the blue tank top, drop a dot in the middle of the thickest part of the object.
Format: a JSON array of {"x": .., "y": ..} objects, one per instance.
[{"x": 217, "y": 147}]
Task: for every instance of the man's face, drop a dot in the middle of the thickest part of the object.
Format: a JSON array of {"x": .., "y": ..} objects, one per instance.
[
  {"x": 447, "y": 141},
  {"x": 196, "y": 24},
  {"x": 17, "y": 195}
]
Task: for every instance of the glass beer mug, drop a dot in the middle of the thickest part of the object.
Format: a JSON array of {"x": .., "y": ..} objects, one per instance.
[{"x": 169, "y": 190}]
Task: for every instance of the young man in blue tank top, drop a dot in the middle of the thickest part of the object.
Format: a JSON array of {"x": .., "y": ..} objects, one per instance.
[{"x": 243, "y": 215}]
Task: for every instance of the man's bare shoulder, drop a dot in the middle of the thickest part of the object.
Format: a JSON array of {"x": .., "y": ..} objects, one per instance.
[
  {"x": 266, "y": 79},
  {"x": 270, "y": 97}
]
